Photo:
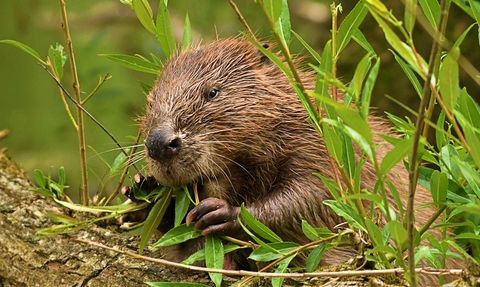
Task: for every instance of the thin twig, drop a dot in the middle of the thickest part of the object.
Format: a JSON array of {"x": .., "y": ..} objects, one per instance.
[
  {"x": 84, "y": 195},
  {"x": 62, "y": 95},
  {"x": 88, "y": 114},
  {"x": 102, "y": 80},
  {"x": 432, "y": 271},
  {"x": 413, "y": 170},
  {"x": 240, "y": 17},
  {"x": 125, "y": 171}
]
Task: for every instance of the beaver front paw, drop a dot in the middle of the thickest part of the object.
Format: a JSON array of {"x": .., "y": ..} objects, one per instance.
[
  {"x": 143, "y": 186},
  {"x": 215, "y": 216}
]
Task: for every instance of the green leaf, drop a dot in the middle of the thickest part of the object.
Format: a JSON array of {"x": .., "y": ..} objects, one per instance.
[
  {"x": 326, "y": 65},
  {"x": 118, "y": 163},
  {"x": 95, "y": 209},
  {"x": 331, "y": 185},
  {"x": 164, "y": 30},
  {"x": 58, "y": 59},
  {"x": 469, "y": 109},
  {"x": 283, "y": 26},
  {"x": 214, "y": 257},
  {"x": 314, "y": 257},
  {"x": 127, "y": 3},
  {"x": 45, "y": 192},
  {"x": 475, "y": 6},
  {"x": 62, "y": 178},
  {"x": 359, "y": 76},
  {"x": 460, "y": 39},
  {"x": 431, "y": 10},
  {"x": 154, "y": 218},
  {"x": 398, "y": 45},
  {"x": 200, "y": 254},
  {"x": 271, "y": 56},
  {"x": 182, "y": 202},
  {"x": 274, "y": 251},
  {"x": 282, "y": 267},
  {"x": 175, "y": 284},
  {"x": 448, "y": 164},
  {"x": 177, "y": 235},
  {"x": 60, "y": 218},
  {"x": 332, "y": 142},
  {"x": 309, "y": 48},
  {"x": 471, "y": 175},
  {"x": 397, "y": 231},
  {"x": 355, "y": 121},
  {"x": 448, "y": 79},
  {"x": 410, "y": 10},
  {"x": 473, "y": 139},
  {"x": 348, "y": 158},
  {"x": 187, "y": 34},
  {"x": 425, "y": 252},
  {"x": 409, "y": 73},
  {"x": 368, "y": 88},
  {"x": 273, "y": 9},
  {"x": 362, "y": 41},
  {"x": 350, "y": 25},
  {"x": 439, "y": 186},
  {"x": 439, "y": 136},
  {"x": 144, "y": 14},
  {"x": 395, "y": 155},
  {"x": 256, "y": 238},
  {"x": 25, "y": 48},
  {"x": 40, "y": 178},
  {"x": 258, "y": 227},
  {"x": 347, "y": 212},
  {"x": 396, "y": 197},
  {"x": 309, "y": 231},
  {"x": 134, "y": 63},
  {"x": 146, "y": 88},
  {"x": 374, "y": 232}
]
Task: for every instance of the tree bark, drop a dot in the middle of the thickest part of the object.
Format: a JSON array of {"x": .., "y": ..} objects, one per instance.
[{"x": 26, "y": 260}]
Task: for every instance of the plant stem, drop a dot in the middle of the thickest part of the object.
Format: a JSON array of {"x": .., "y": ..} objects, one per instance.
[
  {"x": 62, "y": 94},
  {"x": 84, "y": 195},
  {"x": 125, "y": 171},
  {"x": 413, "y": 171},
  {"x": 241, "y": 18},
  {"x": 88, "y": 114}
]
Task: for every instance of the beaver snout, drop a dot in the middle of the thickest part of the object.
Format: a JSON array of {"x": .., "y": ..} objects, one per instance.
[{"x": 163, "y": 144}]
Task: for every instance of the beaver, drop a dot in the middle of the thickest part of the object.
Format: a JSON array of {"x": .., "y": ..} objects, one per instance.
[{"x": 226, "y": 118}]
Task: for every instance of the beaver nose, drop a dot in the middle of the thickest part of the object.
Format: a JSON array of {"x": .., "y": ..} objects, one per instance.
[{"x": 162, "y": 144}]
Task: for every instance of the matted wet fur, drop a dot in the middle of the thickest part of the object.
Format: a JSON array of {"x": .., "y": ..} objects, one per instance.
[{"x": 224, "y": 117}]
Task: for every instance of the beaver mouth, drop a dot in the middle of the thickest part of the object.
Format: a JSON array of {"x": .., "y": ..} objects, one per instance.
[{"x": 174, "y": 174}]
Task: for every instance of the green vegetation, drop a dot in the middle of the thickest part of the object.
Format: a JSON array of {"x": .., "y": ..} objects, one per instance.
[{"x": 452, "y": 174}]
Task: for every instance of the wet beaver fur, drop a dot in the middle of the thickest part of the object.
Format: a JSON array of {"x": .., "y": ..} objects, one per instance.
[{"x": 224, "y": 117}]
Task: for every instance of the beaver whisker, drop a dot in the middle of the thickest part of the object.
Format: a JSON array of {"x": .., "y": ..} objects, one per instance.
[
  {"x": 223, "y": 142},
  {"x": 232, "y": 161},
  {"x": 124, "y": 147},
  {"x": 218, "y": 131},
  {"x": 224, "y": 173}
]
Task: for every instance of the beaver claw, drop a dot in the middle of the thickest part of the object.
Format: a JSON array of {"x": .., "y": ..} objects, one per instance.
[
  {"x": 215, "y": 217},
  {"x": 147, "y": 185}
]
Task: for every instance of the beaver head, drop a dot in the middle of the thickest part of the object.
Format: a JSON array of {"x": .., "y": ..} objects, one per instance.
[{"x": 216, "y": 109}]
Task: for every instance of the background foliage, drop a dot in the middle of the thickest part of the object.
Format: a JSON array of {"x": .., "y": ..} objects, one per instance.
[
  {"x": 38, "y": 124},
  {"x": 41, "y": 135}
]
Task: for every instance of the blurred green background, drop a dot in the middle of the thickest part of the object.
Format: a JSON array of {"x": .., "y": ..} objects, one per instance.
[{"x": 42, "y": 136}]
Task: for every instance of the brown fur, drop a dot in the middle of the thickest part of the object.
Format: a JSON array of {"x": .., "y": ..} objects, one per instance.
[{"x": 252, "y": 143}]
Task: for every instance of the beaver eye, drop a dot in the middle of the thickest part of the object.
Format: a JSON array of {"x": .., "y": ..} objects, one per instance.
[{"x": 213, "y": 93}]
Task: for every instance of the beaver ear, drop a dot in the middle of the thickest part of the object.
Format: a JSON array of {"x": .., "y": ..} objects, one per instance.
[{"x": 264, "y": 60}]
